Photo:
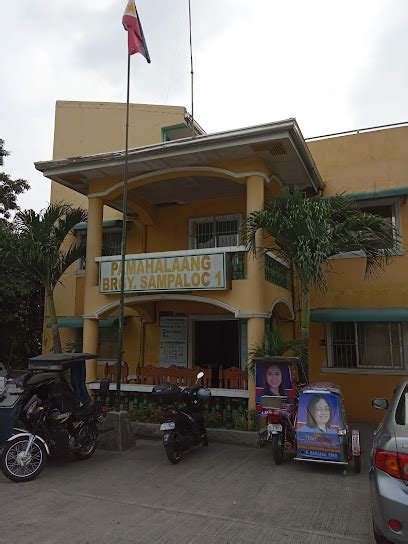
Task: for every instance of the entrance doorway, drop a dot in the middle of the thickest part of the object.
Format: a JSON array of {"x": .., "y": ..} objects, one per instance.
[{"x": 216, "y": 343}]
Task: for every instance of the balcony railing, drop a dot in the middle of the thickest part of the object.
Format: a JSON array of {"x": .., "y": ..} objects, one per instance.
[
  {"x": 237, "y": 265},
  {"x": 276, "y": 271}
]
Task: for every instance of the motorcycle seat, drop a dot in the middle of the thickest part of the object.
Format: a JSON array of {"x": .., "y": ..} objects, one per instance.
[{"x": 83, "y": 412}]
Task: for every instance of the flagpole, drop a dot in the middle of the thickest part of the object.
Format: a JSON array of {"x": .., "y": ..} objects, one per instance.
[
  {"x": 192, "y": 71},
  {"x": 123, "y": 252}
]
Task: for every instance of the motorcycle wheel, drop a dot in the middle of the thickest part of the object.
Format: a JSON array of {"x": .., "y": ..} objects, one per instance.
[
  {"x": 89, "y": 448},
  {"x": 174, "y": 449},
  {"x": 277, "y": 448},
  {"x": 13, "y": 464}
]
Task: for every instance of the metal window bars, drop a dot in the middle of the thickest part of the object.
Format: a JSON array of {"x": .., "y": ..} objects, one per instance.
[
  {"x": 367, "y": 345},
  {"x": 215, "y": 231}
]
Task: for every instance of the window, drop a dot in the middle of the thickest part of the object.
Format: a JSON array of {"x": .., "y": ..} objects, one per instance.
[
  {"x": 388, "y": 208},
  {"x": 216, "y": 231},
  {"x": 366, "y": 345},
  {"x": 401, "y": 411},
  {"x": 111, "y": 244}
]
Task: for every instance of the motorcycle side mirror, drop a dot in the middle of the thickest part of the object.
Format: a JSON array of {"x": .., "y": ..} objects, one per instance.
[
  {"x": 104, "y": 388},
  {"x": 200, "y": 375}
]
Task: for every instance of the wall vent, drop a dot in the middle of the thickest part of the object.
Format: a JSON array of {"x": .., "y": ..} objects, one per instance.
[{"x": 277, "y": 149}]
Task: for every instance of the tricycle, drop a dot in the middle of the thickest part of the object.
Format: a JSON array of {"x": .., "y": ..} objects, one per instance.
[
  {"x": 53, "y": 416},
  {"x": 309, "y": 420}
]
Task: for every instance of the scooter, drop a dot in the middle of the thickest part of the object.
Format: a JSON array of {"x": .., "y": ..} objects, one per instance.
[{"x": 183, "y": 428}]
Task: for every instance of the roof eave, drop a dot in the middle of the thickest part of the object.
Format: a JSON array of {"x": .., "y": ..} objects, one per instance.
[{"x": 52, "y": 169}]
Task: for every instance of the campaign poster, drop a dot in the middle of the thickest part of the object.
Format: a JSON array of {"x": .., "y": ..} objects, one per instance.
[
  {"x": 274, "y": 380},
  {"x": 318, "y": 423}
]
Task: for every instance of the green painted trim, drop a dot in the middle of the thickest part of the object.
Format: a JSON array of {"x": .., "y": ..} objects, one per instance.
[
  {"x": 76, "y": 322},
  {"x": 372, "y": 195},
  {"x": 171, "y": 127},
  {"x": 106, "y": 224},
  {"x": 382, "y": 193},
  {"x": 360, "y": 314}
]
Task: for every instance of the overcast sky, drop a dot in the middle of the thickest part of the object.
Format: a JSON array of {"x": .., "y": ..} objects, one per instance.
[{"x": 334, "y": 65}]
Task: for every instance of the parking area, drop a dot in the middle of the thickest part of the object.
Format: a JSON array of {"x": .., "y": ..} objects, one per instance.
[{"x": 222, "y": 493}]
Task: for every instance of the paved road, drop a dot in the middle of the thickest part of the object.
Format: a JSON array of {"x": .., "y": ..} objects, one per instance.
[{"x": 221, "y": 494}]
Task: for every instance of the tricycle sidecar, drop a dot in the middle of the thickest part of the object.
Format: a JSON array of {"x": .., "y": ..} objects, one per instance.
[
  {"x": 55, "y": 417},
  {"x": 322, "y": 433}
]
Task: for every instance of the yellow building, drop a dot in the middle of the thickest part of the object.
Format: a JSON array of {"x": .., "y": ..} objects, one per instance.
[{"x": 194, "y": 297}]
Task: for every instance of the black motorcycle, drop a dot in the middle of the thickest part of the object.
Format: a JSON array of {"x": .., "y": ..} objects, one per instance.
[
  {"x": 183, "y": 427},
  {"x": 53, "y": 418}
]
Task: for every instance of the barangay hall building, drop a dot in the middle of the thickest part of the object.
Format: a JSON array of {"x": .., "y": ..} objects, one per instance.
[{"x": 193, "y": 296}]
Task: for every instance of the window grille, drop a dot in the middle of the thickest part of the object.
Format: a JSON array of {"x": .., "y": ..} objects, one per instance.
[
  {"x": 111, "y": 244},
  {"x": 367, "y": 345},
  {"x": 217, "y": 231},
  {"x": 276, "y": 272}
]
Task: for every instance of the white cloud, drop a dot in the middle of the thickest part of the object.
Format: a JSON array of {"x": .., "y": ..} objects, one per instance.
[{"x": 333, "y": 65}]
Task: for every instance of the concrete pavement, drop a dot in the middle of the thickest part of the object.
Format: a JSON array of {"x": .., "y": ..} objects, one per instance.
[{"x": 221, "y": 494}]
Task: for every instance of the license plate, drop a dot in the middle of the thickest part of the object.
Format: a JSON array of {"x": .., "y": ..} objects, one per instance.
[
  {"x": 274, "y": 427},
  {"x": 167, "y": 426}
]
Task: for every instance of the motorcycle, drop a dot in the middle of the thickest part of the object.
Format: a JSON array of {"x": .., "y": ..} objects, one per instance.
[
  {"x": 54, "y": 418},
  {"x": 307, "y": 419},
  {"x": 184, "y": 427}
]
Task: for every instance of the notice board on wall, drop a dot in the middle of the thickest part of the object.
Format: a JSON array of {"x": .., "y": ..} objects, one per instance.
[{"x": 173, "y": 341}]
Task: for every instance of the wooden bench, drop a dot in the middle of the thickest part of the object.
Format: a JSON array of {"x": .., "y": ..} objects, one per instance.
[
  {"x": 183, "y": 377},
  {"x": 233, "y": 378},
  {"x": 110, "y": 372}
]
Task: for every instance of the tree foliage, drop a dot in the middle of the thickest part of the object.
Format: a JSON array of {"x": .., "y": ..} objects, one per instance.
[
  {"x": 21, "y": 297},
  {"x": 306, "y": 232},
  {"x": 274, "y": 344},
  {"x": 9, "y": 190},
  {"x": 21, "y": 303},
  {"x": 47, "y": 250}
]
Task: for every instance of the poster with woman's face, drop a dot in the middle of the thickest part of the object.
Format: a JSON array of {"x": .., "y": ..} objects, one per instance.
[
  {"x": 273, "y": 380},
  {"x": 318, "y": 422}
]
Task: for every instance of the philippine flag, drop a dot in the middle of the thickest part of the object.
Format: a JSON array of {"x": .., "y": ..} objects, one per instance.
[{"x": 133, "y": 26}]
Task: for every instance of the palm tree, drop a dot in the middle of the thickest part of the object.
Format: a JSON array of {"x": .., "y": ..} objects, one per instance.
[
  {"x": 273, "y": 345},
  {"x": 307, "y": 231},
  {"x": 47, "y": 252}
]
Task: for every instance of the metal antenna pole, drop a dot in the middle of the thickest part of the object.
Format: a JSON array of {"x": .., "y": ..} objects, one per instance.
[
  {"x": 123, "y": 253},
  {"x": 192, "y": 71}
]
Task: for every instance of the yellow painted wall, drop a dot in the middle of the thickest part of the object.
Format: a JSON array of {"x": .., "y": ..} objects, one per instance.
[
  {"x": 86, "y": 128},
  {"x": 365, "y": 162},
  {"x": 144, "y": 348},
  {"x": 362, "y": 162},
  {"x": 358, "y": 389}
]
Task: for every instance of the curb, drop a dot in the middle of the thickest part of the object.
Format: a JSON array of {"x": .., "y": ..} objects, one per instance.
[{"x": 223, "y": 436}]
